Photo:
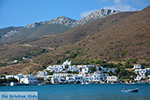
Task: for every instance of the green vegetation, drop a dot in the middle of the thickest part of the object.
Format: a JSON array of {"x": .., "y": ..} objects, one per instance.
[
  {"x": 93, "y": 38},
  {"x": 127, "y": 64},
  {"x": 133, "y": 60},
  {"x": 78, "y": 48},
  {"x": 148, "y": 45},
  {"x": 67, "y": 52},
  {"x": 12, "y": 79},
  {"x": 124, "y": 53},
  {"x": 141, "y": 35},
  {"x": 111, "y": 42},
  {"x": 95, "y": 50},
  {"x": 140, "y": 43},
  {"x": 90, "y": 61},
  {"x": 93, "y": 69},
  {"x": 124, "y": 75},
  {"x": 3, "y": 64},
  {"x": 126, "y": 45},
  {"x": 72, "y": 55},
  {"x": 87, "y": 49},
  {"x": 35, "y": 52},
  {"x": 110, "y": 47},
  {"x": 118, "y": 41},
  {"x": 147, "y": 52},
  {"x": 49, "y": 73},
  {"x": 73, "y": 72},
  {"x": 42, "y": 68}
]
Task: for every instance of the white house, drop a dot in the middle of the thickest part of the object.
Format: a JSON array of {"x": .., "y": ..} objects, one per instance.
[
  {"x": 56, "y": 68},
  {"x": 78, "y": 79},
  {"x": 142, "y": 72},
  {"x": 58, "y": 78},
  {"x": 9, "y": 76},
  {"x": 29, "y": 79},
  {"x": 73, "y": 68},
  {"x": 67, "y": 62},
  {"x": 18, "y": 77},
  {"x": 85, "y": 69},
  {"x": 137, "y": 66},
  {"x": 98, "y": 77},
  {"x": 112, "y": 79},
  {"x": 70, "y": 79},
  {"x": 15, "y": 61},
  {"x": 138, "y": 78},
  {"x": 42, "y": 73}
]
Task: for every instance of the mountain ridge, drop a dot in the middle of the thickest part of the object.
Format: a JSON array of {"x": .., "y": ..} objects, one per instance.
[{"x": 62, "y": 23}]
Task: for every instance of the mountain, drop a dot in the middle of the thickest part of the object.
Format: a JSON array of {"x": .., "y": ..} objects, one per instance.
[
  {"x": 116, "y": 38},
  {"x": 94, "y": 16},
  {"x": 8, "y": 30},
  {"x": 38, "y": 29},
  {"x": 57, "y": 25}
]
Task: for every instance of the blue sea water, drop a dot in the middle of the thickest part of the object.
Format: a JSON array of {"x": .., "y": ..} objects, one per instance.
[{"x": 85, "y": 92}]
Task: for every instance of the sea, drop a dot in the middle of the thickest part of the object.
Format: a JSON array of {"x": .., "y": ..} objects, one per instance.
[{"x": 84, "y": 92}]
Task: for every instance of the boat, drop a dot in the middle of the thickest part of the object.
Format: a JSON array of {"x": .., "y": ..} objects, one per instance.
[{"x": 130, "y": 91}]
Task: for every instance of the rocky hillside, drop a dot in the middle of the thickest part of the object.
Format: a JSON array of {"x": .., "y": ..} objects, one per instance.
[
  {"x": 116, "y": 38},
  {"x": 57, "y": 25},
  {"x": 94, "y": 16}
]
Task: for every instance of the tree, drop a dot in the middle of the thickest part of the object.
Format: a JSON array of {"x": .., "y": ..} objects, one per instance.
[
  {"x": 111, "y": 73},
  {"x": 127, "y": 65},
  {"x": 99, "y": 68},
  {"x": 93, "y": 69}
]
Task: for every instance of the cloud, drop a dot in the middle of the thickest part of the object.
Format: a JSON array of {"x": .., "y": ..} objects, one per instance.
[
  {"x": 121, "y": 6},
  {"x": 85, "y": 13},
  {"x": 116, "y": 1}
]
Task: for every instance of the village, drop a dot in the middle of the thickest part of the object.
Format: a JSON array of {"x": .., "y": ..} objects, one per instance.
[{"x": 76, "y": 74}]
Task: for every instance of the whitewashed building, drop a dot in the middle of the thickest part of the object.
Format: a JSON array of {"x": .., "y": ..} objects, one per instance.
[
  {"x": 42, "y": 74},
  {"x": 78, "y": 79},
  {"x": 29, "y": 79},
  {"x": 112, "y": 79},
  {"x": 137, "y": 66},
  {"x": 9, "y": 76},
  {"x": 99, "y": 77},
  {"x": 56, "y": 68},
  {"x": 67, "y": 62},
  {"x": 19, "y": 76},
  {"x": 73, "y": 68},
  {"x": 59, "y": 78},
  {"x": 85, "y": 69},
  {"x": 70, "y": 79}
]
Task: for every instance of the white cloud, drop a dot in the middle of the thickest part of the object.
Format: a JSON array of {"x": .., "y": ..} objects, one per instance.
[
  {"x": 119, "y": 5},
  {"x": 85, "y": 13},
  {"x": 116, "y": 1}
]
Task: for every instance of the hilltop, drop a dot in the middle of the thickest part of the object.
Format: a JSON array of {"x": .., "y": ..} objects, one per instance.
[{"x": 54, "y": 26}]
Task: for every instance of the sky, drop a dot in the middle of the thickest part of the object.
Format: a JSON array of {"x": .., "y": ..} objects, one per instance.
[{"x": 24, "y": 12}]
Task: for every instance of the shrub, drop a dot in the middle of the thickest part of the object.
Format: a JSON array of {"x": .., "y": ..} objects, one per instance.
[
  {"x": 140, "y": 43},
  {"x": 118, "y": 41},
  {"x": 127, "y": 65},
  {"x": 124, "y": 53},
  {"x": 126, "y": 45},
  {"x": 111, "y": 42}
]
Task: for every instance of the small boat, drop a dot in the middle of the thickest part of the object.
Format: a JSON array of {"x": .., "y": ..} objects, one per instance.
[{"x": 130, "y": 91}]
